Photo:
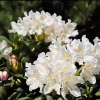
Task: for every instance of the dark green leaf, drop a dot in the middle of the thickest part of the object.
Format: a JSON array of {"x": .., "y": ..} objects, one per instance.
[
  {"x": 19, "y": 75},
  {"x": 14, "y": 96},
  {"x": 19, "y": 89},
  {"x": 6, "y": 83},
  {"x": 8, "y": 41},
  {"x": 25, "y": 98},
  {"x": 95, "y": 90}
]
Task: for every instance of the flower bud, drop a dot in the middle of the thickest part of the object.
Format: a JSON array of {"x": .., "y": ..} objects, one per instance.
[
  {"x": 3, "y": 75},
  {"x": 40, "y": 37},
  {"x": 18, "y": 81},
  {"x": 14, "y": 63}
]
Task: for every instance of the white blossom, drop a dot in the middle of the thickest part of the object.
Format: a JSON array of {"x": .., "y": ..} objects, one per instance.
[
  {"x": 3, "y": 44},
  {"x": 53, "y": 71},
  {"x": 69, "y": 85},
  {"x": 44, "y": 23},
  {"x": 56, "y": 69},
  {"x": 88, "y": 72},
  {"x": 6, "y": 52},
  {"x": 34, "y": 77},
  {"x": 5, "y": 49}
]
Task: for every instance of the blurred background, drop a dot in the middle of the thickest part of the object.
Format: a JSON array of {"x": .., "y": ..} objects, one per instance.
[{"x": 86, "y": 13}]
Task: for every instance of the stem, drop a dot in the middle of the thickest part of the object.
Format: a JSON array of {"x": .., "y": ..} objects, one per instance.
[
  {"x": 88, "y": 92},
  {"x": 88, "y": 89},
  {"x": 78, "y": 72}
]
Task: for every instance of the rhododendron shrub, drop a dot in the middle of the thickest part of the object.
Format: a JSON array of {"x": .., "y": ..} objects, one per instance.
[{"x": 42, "y": 61}]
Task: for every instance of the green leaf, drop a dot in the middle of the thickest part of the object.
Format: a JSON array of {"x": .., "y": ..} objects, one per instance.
[
  {"x": 39, "y": 98},
  {"x": 25, "y": 98},
  {"x": 49, "y": 97},
  {"x": 94, "y": 97},
  {"x": 27, "y": 43},
  {"x": 60, "y": 99},
  {"x": 16, "y": 38},
  {"x": 14, "y": 96},
  {"x": 16, "y": 51},
  {"x": 20, "y": 76},
  {"x": 19, "y": 89},
  {"x": 8, "y": 41},
  {"x": 98, "y": 93},
  {"x": 95, "y": 90},
  {"x": 6, "y": 83},
  {"x": 25, "y": 59}
]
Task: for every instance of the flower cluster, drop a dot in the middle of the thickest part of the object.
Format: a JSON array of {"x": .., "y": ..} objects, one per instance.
[
  {"x": 87, "y": 55},
  {"x": 56, "y": 69},
  {"x": 50, "y": 26},
  {"x": 5, "y": 50}
]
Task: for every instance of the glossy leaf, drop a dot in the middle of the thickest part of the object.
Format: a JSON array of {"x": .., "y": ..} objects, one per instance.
[
  {"x": 14, "y": 96},
  {"x": 25, "y": 98},
  {"x": 8, "y": 41}
]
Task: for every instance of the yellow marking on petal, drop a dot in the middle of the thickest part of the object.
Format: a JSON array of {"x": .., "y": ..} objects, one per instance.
[
  {"x": 36, "y": 74},
  {"x": 79, "y": 50},
  {"x": 68, "y": 79},
  {"x": 63, "y": 32},
  {"x": 36, "y": 24},
  {"x": 69, "y": 26},
  {"x": 65, "y": 56},
  {"x": 52, "y": 76},
  {"x": 63, "y": 69},
  {"x": 87, "y": 65},
  {"x": 42, "y": 17},
  {"x": 53, "y": 31},
  {"x": 53, "y": 79}
]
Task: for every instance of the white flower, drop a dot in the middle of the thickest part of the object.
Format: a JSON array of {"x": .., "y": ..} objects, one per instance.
[
  {"x": 56, "y": 69},
  {"x": 96, "y": 40},
  {"x": 88, "y": 71},
  {"x": 3, "y": 44},
  {"x": 21, "y": 28},
  {"x": 41, "y": 65},
  {"x": 55, "y": 46},
  {"x": 70, "y": 26},
  {"x": 52, "y": 83},
  {"x": 5, "y": 49},
  {"x": 33, "y": 77},
  {"x": 6, "y": 52},
  {"x": 51, "y": 69},
  {"x": 81, "y": 49},
  {"x": 44, "y": 23},
  {"x": 69, "y": 85},
  {"x": 72, "y": 33}
]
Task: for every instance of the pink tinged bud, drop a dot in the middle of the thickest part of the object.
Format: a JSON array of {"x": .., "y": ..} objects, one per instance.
[
  {"x": 13, "y": 57},
  {"x": 13, "y": 60},
  {"x": 3, "y": 75},
  {"x": 14, "y": 63}
]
